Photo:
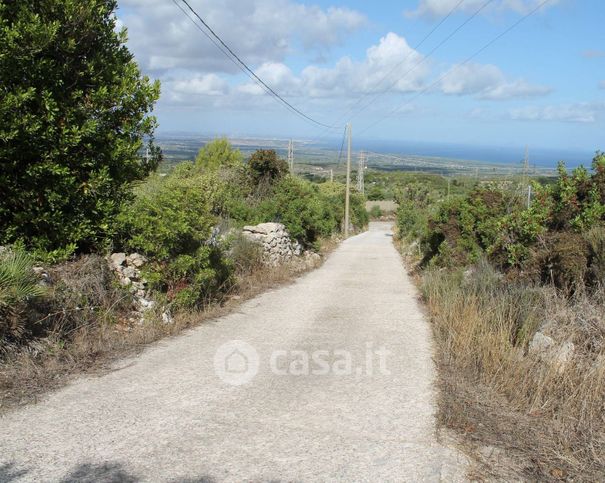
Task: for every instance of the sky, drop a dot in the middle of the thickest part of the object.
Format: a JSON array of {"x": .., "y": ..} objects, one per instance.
[{"x": 375, "y": 65}]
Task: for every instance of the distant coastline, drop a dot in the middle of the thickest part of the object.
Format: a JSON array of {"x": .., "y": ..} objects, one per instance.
[{"x": 510, "y": 156}]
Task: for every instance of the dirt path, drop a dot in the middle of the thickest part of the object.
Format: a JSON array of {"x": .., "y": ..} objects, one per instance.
[{"x": 339, "y": 387}]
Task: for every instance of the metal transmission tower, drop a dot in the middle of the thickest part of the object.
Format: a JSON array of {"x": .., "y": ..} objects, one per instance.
[
  {"x": 291, "y": 156},
  {"x": 361, "y": 173}
]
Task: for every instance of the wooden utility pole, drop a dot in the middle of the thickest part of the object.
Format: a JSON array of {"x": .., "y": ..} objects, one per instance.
[{"x": 348, "y": 181}]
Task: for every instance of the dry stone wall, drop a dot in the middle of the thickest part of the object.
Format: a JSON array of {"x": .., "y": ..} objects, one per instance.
[{"x": 277, "y": 245}]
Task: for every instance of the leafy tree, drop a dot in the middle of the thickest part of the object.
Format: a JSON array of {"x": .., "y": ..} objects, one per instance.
[
  {"x": 265, "y": 166},
  {"x": 73, "y": 120},
  {"x": 218, "y": 153}
]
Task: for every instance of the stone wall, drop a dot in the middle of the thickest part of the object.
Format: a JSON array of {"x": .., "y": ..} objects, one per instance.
[
  {"x": 128, "y": 270},
  {"x": 277, "y": 245}
]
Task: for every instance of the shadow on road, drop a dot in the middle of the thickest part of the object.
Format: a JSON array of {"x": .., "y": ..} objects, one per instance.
[{"x": 94, "y": 473}]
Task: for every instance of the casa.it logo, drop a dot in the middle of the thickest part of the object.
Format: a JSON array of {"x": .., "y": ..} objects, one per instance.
[{"x": 236, "y": 362}]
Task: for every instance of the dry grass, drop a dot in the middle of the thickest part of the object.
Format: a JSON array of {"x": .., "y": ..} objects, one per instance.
[
  {"x": 521, "y": 416},
  {"x": 92, "y": 345}
]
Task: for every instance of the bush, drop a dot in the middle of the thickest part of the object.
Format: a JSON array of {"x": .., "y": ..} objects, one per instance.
[
  {"x": 299, "y": 205},
  {"x": 376, "y": 193},
  {"x": 334, "y": 194},
  {"x": 171, "y": 222},
  {"x": 74, "y": 111},
  {"x": 266, "y": 167},
  {"x": 246, "y": 255},
  {"x": 375, "y": 212},
  {"x": 412, "y": 222},
  {"x": 19, "y": 285},
  {"x": 218, "y": 154},
  {"x": 596, "y": 244}
]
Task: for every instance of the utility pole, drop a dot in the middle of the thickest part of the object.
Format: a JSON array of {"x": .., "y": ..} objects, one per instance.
[
  {"x": 348, "y": 181},
  {"x": 291, "y": 155}
]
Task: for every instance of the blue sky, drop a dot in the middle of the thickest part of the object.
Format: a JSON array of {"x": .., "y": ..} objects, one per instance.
[{"x": 543, "y": 84}]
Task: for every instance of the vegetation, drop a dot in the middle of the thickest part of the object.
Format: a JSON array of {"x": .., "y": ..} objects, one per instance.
[
  {"x": 74, "y": 112},
  {"x": 494, "y": 272},
  {"x": 18, "y": 286}
]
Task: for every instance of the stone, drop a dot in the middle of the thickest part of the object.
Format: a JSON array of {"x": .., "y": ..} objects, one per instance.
[
  {"x": 136, "y": 259},
  {"x": 540, "y": 343},
  {"x": 563, "y": 356},
  {"x": 146, "y": 304},
  {"x": 117, "y": 259},
  {"x": 167, "y": 317},
  {"x": 125, "y": 281},
  {"x": 131, "y": 273}
]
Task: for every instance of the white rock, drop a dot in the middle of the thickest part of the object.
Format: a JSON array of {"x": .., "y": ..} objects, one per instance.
[
  {"x": 117, "y": 259},
  {"x": 167, "y": 317},
  {"x": 540, "y": 343},
  {"x": 146, "y": 304},
  {"x": 131, "y": 273},
  {"x": 136, "y": 260},
  {"x": 563, "y": 356}
]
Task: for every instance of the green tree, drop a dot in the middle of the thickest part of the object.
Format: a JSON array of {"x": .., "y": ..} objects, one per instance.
[
  {"x": 73, "y": 122},
  {"x": 266, "y": 167},
  {"x": 218, "y": 153}
]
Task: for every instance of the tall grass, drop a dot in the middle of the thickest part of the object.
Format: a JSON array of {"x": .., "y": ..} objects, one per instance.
[{"x": 483, "y": 326}]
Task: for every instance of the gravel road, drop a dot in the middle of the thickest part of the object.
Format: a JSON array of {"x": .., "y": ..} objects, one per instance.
[{"x": 327, "y": 379}]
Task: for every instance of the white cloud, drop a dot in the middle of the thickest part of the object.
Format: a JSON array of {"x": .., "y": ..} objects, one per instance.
[
  {"x": 487, "y": 81},
  {"x": 201, "y": 85},
  {"x": 392, "y": 58},
  {"x": 602, "y": 84},
  {"x": 392, "y": 55},
  {"x": 583, "y": 112},
  {"x": 439, "y": 8},
  {"x": 259, "y": 31}
]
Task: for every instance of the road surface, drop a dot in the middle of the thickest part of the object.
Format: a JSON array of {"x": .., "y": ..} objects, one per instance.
[{"x": 327, "y": 379}]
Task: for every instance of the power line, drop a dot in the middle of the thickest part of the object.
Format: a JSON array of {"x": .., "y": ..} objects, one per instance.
[
  {"x": 426, "y": 57},
  {"x": 478, "y": 52},
  {"x": 225, "y": 49},
  {"x": 400, "y": 63}
]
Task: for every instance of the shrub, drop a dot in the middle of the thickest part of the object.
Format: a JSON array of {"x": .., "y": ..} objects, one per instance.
[
  {"x": 561, "y": 259},
  {"x": 218, "y": 154},
  {"x": 412, "y": 221},
  {"x": 334, "y": 195},
  {"x": 19, "y": 285},
  {"x": 375, "y": 212},
  {"x": 171, "y": 222},
  {"x": 596, "y": 244},
  {"x": 463, "y": 228},
  {"x": 376, "y": 193},
  {"x": 299, "y": 205},
  {"x": 266, "y": 167},
  {"x": 246, "y": 255},
  {"x": 74, "y": 111}
]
